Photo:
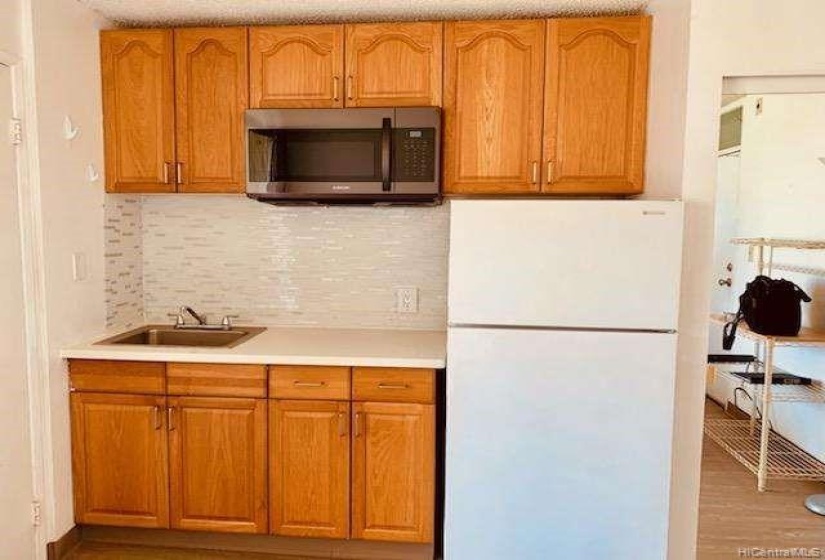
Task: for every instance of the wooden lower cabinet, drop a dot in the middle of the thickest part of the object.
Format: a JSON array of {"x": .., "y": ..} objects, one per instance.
[
  {"x": 119, "y": 455},
  {"x": 309, "y": 468},
  {"x": 393, "y": 466},
  {"x": 217, "y": 459}
]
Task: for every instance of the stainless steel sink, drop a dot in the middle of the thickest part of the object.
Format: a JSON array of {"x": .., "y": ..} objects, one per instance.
[{"x": 165, "y": 335}]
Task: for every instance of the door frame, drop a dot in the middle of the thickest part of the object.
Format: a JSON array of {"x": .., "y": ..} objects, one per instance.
[{"x": 31, "y": 235}]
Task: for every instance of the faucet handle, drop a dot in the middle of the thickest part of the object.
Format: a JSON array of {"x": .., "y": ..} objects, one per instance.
[
  {"x": 226, "y": 323},
  {"x": 178, "y": 317}
]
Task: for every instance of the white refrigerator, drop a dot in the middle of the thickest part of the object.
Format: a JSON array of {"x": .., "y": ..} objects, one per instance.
[{"x": 560, "y": 378}]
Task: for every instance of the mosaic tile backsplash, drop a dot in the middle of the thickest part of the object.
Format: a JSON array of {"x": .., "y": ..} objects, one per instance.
[
  {"x": 332, "y": 267},
  {"x": 124, "y": 261}
]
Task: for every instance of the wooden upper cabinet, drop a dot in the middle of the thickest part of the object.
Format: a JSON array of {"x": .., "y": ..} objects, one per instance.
[
  {"x": 139, "y": 110},
  {"x": 596, "y": 101},
  {"x": 217, "y": 464},
  {"x": 493, "y": 92},
  {"x": 119, "y": 457},
  {"x": 211, "y": 79},
  {"x": 393, "y": 472},
  {"x": 394, "y": 64},
  {"x": 296, "y": 66},
  {"x": 309, "y": 468}
]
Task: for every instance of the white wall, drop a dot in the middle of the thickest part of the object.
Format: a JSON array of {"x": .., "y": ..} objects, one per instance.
[
  {"x": 10, "y": 27},
  {"x": 731, "y": 38},
  {"x": 67, "y": 82}
]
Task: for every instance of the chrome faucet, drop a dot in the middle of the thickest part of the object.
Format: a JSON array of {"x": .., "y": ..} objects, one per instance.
[
  {"x": 180, "y": 322},
  {"x": 201, "y": 319}
]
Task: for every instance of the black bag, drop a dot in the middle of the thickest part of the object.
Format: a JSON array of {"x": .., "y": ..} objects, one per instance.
[{"x": 770, "y": 307}]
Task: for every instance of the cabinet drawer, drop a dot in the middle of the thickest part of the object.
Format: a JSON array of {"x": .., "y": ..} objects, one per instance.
[
  {"x": 309, "y": 382},
  {"x": 393, "y": 384},
  {"x": 216, "y": 380},
  {"x": 113, "y": 376}
]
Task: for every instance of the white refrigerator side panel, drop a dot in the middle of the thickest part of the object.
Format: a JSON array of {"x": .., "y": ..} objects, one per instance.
[
  {"x": 563, "y": 263},
  {"x": 558, "y": 444}
]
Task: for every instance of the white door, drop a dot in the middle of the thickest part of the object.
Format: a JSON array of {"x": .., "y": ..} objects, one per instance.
[
  {"x": 558, "y": 444},
  {"x": 726, "y": 221},
  {"x": 565, "y": 263},
  {"x": 15, "y": 448}
]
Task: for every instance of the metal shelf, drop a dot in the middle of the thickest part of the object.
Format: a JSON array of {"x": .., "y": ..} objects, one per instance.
[
  {"x": 780, "y": 243},
  {"x": 814, "y": 393},
  {"x": 764, "y": 452},
  {"x": 785, "y": 459},
  {"x": 812, "y": 271}
]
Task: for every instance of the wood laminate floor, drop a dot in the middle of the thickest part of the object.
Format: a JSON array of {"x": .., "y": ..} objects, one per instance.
[{"x": 734, "y": 515}]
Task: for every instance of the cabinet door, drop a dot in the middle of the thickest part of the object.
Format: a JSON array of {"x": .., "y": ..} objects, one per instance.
[
  {"x": 211, "y": 79},
  {"x": 296, "y": 66},
  {"x": 138, "y": 110},
  {"x": 119, "y": 457},
  {"x": 596, "y": 104},
  {"x": 393, "y": 472},
  {"x": 217, "y": 464},
  {"x": 394, "y": 64},
  {"x": 309, "y": 466},
  {"x": 493, "y": 93}
]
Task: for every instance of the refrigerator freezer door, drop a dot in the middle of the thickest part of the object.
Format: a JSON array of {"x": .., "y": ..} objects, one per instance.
[
  {"x": 558, "y": 444},
  {"x": 564, "y": 263}
]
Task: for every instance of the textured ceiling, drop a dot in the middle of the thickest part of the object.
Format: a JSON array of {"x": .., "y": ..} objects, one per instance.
[{"x": 188, "y": 12}]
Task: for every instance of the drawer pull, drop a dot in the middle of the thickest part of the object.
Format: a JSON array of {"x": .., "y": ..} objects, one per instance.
[
  {"x": 309, "y": 383},
  {"x": 393, "y": 386}
]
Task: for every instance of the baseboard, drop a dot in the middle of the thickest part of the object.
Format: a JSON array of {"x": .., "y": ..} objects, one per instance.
[
  {"x": 267, "y": 544},
  {"x": 60, "y": 549}
]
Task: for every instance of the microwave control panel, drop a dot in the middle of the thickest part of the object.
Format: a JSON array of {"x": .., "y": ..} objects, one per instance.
[{"x": 414, "y": 155}]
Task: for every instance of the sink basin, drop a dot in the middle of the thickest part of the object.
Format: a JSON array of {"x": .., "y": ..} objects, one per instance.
[{"x": 164, "y": 335}]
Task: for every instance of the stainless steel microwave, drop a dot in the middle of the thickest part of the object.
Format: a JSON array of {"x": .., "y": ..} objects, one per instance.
[{"x": 344, "y": 156}]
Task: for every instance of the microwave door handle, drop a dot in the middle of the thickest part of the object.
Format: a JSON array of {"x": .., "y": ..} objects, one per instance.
[{"x": 386, "y": 155}]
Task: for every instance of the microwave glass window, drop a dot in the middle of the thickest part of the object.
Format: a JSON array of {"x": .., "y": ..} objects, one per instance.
[{"x": 338, "y": 155}]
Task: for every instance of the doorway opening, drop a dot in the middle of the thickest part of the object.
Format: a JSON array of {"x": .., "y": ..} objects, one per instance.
[{"x": 764, "y": 446}]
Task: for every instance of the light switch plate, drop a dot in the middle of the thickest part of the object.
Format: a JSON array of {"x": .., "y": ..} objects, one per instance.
[{"x": 80, "y": 269}]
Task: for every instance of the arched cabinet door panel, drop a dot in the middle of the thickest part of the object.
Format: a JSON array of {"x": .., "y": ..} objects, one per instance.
[
  {"x": 394, "y": 64},
  {"x": 493, "y": 93},
  {"x": 139, "y": 110},
  {"x": 211, "y": 80},
  {"x": 596, "y": 101},
  {"x": 296, "y": 66}
]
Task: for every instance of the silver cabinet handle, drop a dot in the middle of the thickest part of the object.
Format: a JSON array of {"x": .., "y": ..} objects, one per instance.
[
  {"x": 349, "y": 87},
  {"x": 550, "y": 170},
  {"x": 309, "y": 383},
  {"x": 357, "y": 424},
  {"x": 335, "y": 80},
  {"x": 342, "y": 424},
  {"x": 393, "y": 386},
  {"x": 179, "y": 172},
  {"x": 167, "y": 177},
  {"x": 158, "y": 417},
  {"x": 170, "y": 417},
  {"x": 534, "y": 174}
]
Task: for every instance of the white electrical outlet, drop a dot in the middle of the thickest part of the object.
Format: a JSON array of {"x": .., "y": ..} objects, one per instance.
[{"x": 406, "y": 300}]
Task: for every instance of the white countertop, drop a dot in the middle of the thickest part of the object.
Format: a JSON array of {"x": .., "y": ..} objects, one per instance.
[{"x": 292, "y": 346}]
